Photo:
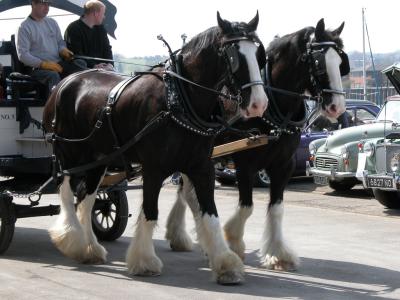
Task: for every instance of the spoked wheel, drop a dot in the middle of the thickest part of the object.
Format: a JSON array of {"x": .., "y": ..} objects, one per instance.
[
  {"x": 7, "y": 221},
  {"x": 110, "y": 215}
]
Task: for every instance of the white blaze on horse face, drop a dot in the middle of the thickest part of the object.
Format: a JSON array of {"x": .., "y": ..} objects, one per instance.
[
  {"x": 258, "y": 99},
  {"x": 338, "y": 105}
]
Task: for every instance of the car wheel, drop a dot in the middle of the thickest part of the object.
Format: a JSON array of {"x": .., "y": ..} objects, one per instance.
[
  {"x": 110, "y": 215},
  {"x": 388, "y": 199},
  {"x": 225, "y": 176},
  {"x": 261, "y": 179},
  {"x": 7, "y": 221},
  {"x": 342, "y": 186}
]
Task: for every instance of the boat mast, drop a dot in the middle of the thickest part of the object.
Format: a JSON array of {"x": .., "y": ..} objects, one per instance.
[{"x": 364, "y": 73}]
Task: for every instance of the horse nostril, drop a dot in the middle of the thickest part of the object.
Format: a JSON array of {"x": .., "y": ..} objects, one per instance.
[{"x": 333, "y": 108}]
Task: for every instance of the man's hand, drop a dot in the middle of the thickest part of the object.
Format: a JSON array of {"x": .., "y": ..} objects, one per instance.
[
  {"x": 51, "y": 66},
  {"x": 67, "y": 54},
  {"x": 104, "y": 66}
]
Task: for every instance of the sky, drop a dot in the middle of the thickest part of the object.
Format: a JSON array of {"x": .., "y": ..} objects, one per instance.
[{"x": 139, "y": 22}]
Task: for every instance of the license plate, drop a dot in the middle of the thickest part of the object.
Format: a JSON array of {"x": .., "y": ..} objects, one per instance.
[
  {"x": 321, "y": 180},
  {"x": 379, "y": 182}
]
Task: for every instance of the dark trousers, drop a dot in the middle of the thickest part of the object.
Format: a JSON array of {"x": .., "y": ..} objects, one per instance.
[{"x": 51, "y": 78}]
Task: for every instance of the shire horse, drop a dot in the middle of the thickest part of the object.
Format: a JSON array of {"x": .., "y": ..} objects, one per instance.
[
  {"x": 309, "y": 60},
  {"x": 169, "y": 113}
]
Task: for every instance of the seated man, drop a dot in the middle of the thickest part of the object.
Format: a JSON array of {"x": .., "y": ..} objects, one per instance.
[
  {"x": 40, "y": 45},
  {"x": 88, "y": 37}
]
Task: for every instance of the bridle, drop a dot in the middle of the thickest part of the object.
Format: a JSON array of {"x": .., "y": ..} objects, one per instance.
[
  {"x": 315, "y": 56},
  {"x": 229, "y": 51}
]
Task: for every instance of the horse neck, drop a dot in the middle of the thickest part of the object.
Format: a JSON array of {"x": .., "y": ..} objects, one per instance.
[
  {"x": 205, "y": 72},
  {"x": 290, "y": 76}
]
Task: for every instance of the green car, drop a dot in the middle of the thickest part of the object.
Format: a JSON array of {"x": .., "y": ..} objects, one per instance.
[
  {"x": 379, "y": 159},
  {"x": 334, "y": 160}
]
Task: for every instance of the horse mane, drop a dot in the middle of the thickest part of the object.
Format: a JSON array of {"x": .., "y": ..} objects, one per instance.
[
  {"x": 203, "y": 40},
  {"x": 283, "y": 46},
  {"x": 211, "y": 38},
  {"x": 297, "y": 41}
]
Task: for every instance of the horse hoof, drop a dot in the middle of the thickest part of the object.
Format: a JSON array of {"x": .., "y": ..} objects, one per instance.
[
  {"x": 281, "y": 265},
  {"x": 285, "y": 266},
  {"x": 230, "y": 278},
  {"x": 149, "y": 273}
]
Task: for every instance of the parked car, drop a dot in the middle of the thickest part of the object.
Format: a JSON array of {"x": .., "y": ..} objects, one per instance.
[
  {"x": 335, "y": 158},
  {"x": 357, "y": 112},
  {"x": 379, "y": 159}
]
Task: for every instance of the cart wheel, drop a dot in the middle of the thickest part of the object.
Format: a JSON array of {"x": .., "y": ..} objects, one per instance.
[
  {"x": 110, "y": 215},
  {"x": 7, "y": 221}
]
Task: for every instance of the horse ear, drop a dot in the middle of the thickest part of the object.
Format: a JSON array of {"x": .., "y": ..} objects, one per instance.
[
  {"x": 223, "y": 24},
  {"x": 320, "y": 29},
  {"x": 253, "y": 23},
  {"x": 338, "y": 30}
]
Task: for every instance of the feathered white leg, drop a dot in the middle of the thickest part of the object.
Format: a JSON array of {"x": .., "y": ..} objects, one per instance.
[
  {"x": 94, "y": 252},
  {"x": 226, "y": 265},
  {"x": 275, "y": 252},
  {"x": 67, "y": 234},
  {"x": 234, "y": 230},
  {"x": 141, "y": 258},
  {"x": 176, "y": 233}
]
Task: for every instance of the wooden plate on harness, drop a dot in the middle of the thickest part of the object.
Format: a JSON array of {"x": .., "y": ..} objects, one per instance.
[{"x": 240, "y": 145}]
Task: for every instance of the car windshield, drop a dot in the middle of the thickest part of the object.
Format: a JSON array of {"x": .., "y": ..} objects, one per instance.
[{"x": 390, "y": 112}]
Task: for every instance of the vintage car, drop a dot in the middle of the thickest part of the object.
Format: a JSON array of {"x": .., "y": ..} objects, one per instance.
[
  {"x": 316, "y": 128},
  {"x": 335, "y": 159},
  {"x": 379, "y": 159}
]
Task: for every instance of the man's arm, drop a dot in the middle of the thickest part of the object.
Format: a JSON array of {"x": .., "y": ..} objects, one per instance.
[
  {"x": 23, "y": 45},
  {"x": 73, "y": 38}
]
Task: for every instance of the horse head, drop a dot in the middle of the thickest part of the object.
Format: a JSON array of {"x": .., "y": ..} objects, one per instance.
[
  {"x": 230, "y": 55},
  {"x": 328, "y": 64}
]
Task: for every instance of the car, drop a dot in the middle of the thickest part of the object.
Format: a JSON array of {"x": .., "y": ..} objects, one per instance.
[
  {"x": 335, "y": 158},
  {"x": 317, "y": 127},
  {"x": 379, "y": 159}
]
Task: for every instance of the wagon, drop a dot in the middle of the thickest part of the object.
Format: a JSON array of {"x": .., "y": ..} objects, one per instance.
[{"x": 26, "y": 158}]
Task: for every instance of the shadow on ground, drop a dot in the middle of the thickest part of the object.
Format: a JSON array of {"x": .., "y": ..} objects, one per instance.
[{"x": 316, "y": 278}]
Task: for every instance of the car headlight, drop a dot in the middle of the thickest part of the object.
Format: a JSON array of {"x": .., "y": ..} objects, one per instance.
[
  {"x": 369, "y": 149},
  {"x": 312, "y": 148},
  {"x": 344, "y": 152},
  {"x": 395, "y": 162}
]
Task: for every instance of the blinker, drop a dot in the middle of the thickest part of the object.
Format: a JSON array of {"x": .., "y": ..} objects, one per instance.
[{"x": 233, "y": 57}]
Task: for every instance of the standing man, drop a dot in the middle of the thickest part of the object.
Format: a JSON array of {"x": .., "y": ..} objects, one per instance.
[
  {"x": 40, "y": 45},
  {"x": 88, "y": 37}
]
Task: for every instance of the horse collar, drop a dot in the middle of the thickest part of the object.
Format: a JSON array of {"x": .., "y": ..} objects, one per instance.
[{"x": 182, "y": 112}]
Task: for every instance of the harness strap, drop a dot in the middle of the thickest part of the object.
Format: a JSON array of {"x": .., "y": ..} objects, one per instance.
[
  {"x": 250, "y": 84},
  {"x": 226, "y": 96},
  {"x": 117, "y": 90},
  {"x": 153, "y": 124}
]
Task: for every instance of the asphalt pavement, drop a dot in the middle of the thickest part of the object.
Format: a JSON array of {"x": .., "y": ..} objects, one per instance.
[{"x": 349, "y": 247}]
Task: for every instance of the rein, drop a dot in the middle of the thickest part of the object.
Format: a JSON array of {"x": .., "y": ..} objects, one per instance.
[{"x": 237, "y": 98}]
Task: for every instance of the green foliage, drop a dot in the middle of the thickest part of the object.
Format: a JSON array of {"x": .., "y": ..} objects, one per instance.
[{"x": 135, "y": 64}]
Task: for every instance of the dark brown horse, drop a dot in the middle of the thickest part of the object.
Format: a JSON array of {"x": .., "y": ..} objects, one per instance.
[
  {"x": 312, "y": 60},
  {"x": 170, "y": 114}
]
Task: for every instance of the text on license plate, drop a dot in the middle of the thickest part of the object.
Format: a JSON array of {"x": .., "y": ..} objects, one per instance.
[
  {"x": 322, "y": 180},
  {"x": 380, "y": 182}
]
